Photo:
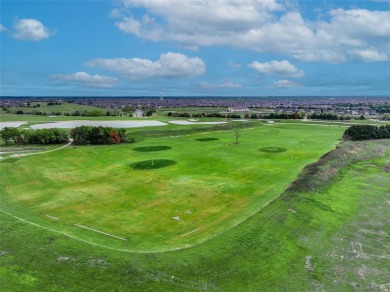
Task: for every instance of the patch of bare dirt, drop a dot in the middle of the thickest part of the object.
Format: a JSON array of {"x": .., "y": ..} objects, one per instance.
[{"x": 386, "y": 168}]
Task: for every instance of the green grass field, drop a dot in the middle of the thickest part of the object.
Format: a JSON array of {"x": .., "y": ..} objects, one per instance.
[
  {"x": 207, "y": 187},
  {"x": 185, "y": 208},
  {"x": 328, "y": 231},
  {"x": 64, "y": 107}
]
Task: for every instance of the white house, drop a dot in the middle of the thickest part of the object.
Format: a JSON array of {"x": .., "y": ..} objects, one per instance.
[
  {"x": 138, "y": 113},
  {"x": 237, "y": 109}
]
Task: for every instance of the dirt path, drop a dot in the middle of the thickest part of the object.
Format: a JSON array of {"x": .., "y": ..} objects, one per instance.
[{"x": 52, "y": 150}]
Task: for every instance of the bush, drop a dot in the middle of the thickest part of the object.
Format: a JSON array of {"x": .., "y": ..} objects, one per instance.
[
  {"x": 367, "y": 132},
  {"x": 41, "y": 136},
  {"x": 93, "y": 113},
  {"x": 98, "y": 135}
]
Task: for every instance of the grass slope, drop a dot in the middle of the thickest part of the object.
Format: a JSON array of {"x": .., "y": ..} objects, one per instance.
[
  {"x": 209, "y": 186},
  {"x": 329, "y": 235}
]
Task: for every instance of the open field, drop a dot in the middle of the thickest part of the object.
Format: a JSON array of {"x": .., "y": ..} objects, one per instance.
[
  {"x": 208, "y": 185},
  {"x": 64, "y": 107},
  {"x": 328, "y": 231},
  {"x": 184, "y": 208}
]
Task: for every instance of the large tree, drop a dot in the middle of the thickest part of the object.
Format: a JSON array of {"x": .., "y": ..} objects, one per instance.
[{"x": 8, "y": 134}]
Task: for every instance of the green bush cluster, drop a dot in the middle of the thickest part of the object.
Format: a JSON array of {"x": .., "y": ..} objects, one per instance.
[
  {"x": 27, "y": 137},
  {"x": 367, "y": 132},
  {"x": 281, "y": 116},
  {"x": 85, "y": 135}
]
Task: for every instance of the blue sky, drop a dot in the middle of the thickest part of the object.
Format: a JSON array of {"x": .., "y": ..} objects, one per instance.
[{"x": 194, "y": 47}]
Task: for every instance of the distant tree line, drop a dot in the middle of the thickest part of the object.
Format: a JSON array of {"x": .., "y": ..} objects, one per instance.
[
  {"x": 301, "y": 115},
  {"x": 385, "y": 108},
  {"x": 367, "y": 132},
  {"x": 28, "y": 137},
  {"x": 53, "y": 103},
  {"x": 91, "y": 113},
  {"x": 85, "y": 135},
  {"x": 204, "y": 115},
  {"x": 293, "y": 115}
]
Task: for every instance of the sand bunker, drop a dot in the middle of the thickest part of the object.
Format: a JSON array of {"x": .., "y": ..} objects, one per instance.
[
  {"x": 11, "y": 124},
  {"x": 180, "y": 122},
  {"x": 114, "y": 124}
]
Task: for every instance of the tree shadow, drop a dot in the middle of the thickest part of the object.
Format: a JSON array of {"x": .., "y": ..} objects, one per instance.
[
  {"x": 207, "y": 139},
  {"x": 273, "y": 149},
  {"x": 9, "y": 160},
  {"x": 152, "y": 164},
  {"x": 152, "y": 148}
]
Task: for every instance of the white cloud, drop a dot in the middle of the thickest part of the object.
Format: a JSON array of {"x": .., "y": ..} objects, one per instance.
[
  {"x": 170, "y": 65},
  {"x": 234, "y": 64},
  {"x": 263, "y": 26},
  {"x": 277, "y": 67},
  {"x": 370, "y": 55},
  {"x": 30, "y": 30},
  {"x": 86, "y": 79},
  {"x": 227, "y": 84},
  {"x": 2, "y": 28},
  {"x": 284, "y": 84}
]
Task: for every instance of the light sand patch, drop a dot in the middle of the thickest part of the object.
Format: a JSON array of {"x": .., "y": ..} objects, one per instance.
[
  {"x": 114, "y": 124},
  {"x": 11, "y": 124},
  {"x": 180, "y": 122}
]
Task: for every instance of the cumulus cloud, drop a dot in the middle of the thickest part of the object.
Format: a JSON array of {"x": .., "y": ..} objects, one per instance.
[
  {"x": 2, "y": 28},
  {"x": 263, "y": 26},
  {"x": 86, "y": 79},
  {"x": 227, "y": 84},
  {"x": 284, "y": 83},
  {"x": 30, "y": 30},
  {"x": 277, "y": 67},
  {"x": 370, "y": 55},
  {"x": 169, "y": 65}
]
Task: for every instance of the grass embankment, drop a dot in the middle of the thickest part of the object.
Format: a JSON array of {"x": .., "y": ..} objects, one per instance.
[
  {"x": 209, "y": 185},
  {"x": 330, "y": 234}
]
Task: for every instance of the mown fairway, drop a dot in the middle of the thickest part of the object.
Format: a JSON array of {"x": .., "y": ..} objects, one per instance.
[
  {"x": 163, "y": 193},
  {"x": 328, "y": 232}
]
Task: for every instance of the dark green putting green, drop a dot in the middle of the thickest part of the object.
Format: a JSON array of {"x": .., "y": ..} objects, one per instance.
[
  {"x": 152, "y": 148},
  {"x": 273, "y": 149},
  {"x": 206, "y": 139},
  {"x": 153, "y": 164}
]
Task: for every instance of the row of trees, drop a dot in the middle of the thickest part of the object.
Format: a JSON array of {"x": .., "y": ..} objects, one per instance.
[
  {"x": 204, "y": 115},
  {"x": 85, "y": 135},
  {"x": 295, "y": 115},
  {"x": 28, "y": 137},
  {"x": 282, "y": 116},
  {"x": 367, "y": 132}
]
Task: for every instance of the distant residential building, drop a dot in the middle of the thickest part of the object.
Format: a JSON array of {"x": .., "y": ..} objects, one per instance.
[
  {"x": 232, "y": 109},
  {"x": 138, "y": 113}
]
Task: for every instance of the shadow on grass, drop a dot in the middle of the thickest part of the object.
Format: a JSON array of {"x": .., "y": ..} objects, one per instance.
[
  {"x": 9, "y": 160},
  {"x": 206, "y": 139},
  {"x": 153, "y": 164},
  {"x": 273, "y": 149},
  {"x": 152, "y": 148}
]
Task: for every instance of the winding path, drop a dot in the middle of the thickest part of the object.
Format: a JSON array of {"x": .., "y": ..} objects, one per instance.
[{"x": 52, "y": 150}]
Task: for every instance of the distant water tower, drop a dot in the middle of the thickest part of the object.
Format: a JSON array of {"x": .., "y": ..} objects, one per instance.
[{"x": 161, "y": 96}]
